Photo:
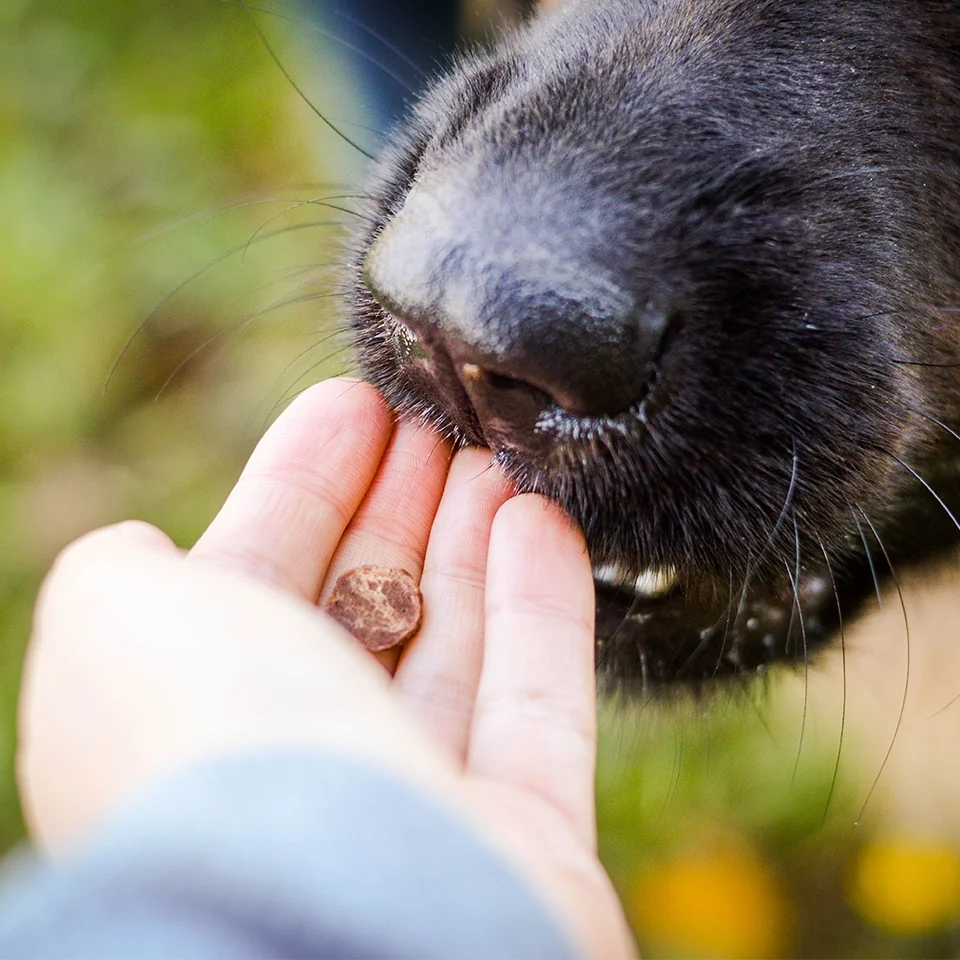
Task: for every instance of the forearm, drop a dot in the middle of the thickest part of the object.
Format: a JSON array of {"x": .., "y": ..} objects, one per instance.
[{"x": 280, "y": 854}]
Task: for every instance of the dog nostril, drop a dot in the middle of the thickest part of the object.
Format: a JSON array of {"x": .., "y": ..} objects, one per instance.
[
  {"x": 590, "y": 369},
  {"x": 508, "y": 408},
  {"x": 581, "y": 392},
  {"x": 474, "y": 375},
  {"x": 496, "y": 381}
]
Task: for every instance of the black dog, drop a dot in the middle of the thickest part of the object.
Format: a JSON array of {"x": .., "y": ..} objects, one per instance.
[{"x": 692, "y": 269}]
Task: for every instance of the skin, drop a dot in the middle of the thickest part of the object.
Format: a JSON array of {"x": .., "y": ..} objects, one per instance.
[{"x": 146, "y": 659}]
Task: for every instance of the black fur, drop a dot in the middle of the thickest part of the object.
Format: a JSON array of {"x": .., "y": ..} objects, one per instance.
[{"x": 690, "y": 267}]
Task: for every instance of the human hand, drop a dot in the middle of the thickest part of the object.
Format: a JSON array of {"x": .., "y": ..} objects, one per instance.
[{"x": 145, "y": 660}]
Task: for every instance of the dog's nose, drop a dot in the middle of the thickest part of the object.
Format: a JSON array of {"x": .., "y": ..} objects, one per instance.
[{"x": 525, "y": 328}]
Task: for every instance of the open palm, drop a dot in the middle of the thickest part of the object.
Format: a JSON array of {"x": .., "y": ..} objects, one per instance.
[{"x": 491, "y": 708}]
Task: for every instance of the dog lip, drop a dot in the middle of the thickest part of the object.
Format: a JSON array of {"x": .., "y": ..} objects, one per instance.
[{"x": 426, "y": 363}]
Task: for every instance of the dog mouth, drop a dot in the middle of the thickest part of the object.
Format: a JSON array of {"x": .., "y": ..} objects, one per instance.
[
  {"x": 658, "y": 624},
  {"x": 657, "y": 629}
]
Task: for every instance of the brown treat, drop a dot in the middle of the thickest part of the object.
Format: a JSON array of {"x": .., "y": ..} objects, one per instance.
[{"x": 381, "y": 606}]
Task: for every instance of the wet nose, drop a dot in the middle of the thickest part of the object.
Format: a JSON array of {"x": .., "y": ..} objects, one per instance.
[{"x": 526, "y": 326}]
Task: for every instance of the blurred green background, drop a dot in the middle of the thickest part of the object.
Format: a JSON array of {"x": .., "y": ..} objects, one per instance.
[{"x": 165, "y": 289}]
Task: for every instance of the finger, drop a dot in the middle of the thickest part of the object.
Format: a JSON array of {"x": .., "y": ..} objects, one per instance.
[
  {"x": 103, "y": 543},
  {"x": 57, "y": 637},
  {"x": 132, "y": 533},
  {"x": 392, "y": 525},
  {"x": 439, "y": 671},
  {"x": 88, "y": 550},
  {"x": 534, "y": 725},
  {"x": 301, "y": 487}
]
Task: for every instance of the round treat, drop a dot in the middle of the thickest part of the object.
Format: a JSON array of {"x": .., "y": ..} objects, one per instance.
[{"x": 381, "y": 606}]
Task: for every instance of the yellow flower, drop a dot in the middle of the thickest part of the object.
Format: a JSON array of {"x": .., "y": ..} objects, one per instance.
[
  {"x": 719, "y": 902},
  {"x": 907, "y": 887}
]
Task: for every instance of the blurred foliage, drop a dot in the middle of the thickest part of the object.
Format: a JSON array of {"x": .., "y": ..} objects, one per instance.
[
  {"x": 165, "y": 288},
  {"x": 143, "y": 145}
]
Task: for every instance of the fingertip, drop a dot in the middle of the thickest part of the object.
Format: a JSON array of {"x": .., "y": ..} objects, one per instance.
[
  {"x": 327, "y": 411},
  {"x": 301, "y": 487},
  {"x": 530, "y": 516},
  {"x": 340, "y": 393},
  {"x": 135, "y": 533},
  {"x": 477, "y": 460},
  {"x": 122, "y": 536},
  {"x": 535, "y": 505},
  {"x": 539, "y": 563},
  {"x": 87, "y": 566}
]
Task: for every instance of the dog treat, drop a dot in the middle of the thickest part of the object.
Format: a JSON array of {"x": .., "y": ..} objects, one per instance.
[{"x": 381, "y": 606}]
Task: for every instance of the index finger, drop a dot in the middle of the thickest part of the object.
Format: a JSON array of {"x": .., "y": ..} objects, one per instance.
[
  {"x": 535, "y": 720},
  {"x": 301, "y": 487}
]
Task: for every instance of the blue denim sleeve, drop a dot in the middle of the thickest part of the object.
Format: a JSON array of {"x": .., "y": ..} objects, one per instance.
[{"x": 280, "y": 855}]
